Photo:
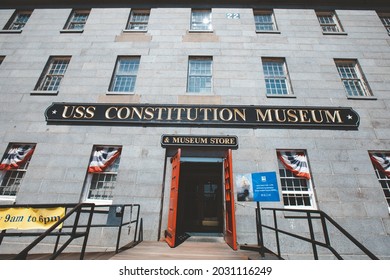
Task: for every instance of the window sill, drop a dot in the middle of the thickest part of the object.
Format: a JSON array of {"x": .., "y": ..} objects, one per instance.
[
  {"x": 72, "y": 31},
  {"x": 99, "y": 201},
  {"x": 134, "y": 31},
  {"x": 44, "y": 92},
  {"x": 335, "y": 33},
  {"x": 362, "y": 97},
  {"x": 10, "y": 199},
  {"x": 120, "y": 93},
  {"x": 11, "y": 31},
  {"x": 200, "y": 31},
  {"x": 268, "y": 32},
  {"x": 281, "y": 96}
]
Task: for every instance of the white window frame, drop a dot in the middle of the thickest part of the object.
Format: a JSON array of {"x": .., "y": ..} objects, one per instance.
[
  {"x": 15, "y": 24},
  {"x": 296, "y": 181},
  {"x": 20, "y": 171},
  {"x": 383, "y": 180},
  {"x": 112, "y": 170},
  {"x": 274, "y": 91},
  {"x": 385, "y": 19},
  {"x": 200, "y": 76},
  {"x": 332, "y": 26},
  {"x": 54, "y": 70},
  {"x": 71, "y": 23},
  {"x": 131, "y": 74},
  {"x": 272, "y": 23},
  {"x": 201, "y": 26},
  {"x": 355, "y": 78},
  {"x": 138, "y": 20}
]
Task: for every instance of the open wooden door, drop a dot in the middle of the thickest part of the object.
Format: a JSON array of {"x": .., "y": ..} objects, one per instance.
[
  {"x": 170, "y": 233},
  {"x": 230, "y": 225}
]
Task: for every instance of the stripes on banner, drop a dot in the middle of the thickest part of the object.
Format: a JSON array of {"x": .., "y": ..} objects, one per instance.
[
  {"x": 17, "y": 155},
  {"x": 382, "y": 162},
  {"x": 103, "y": 158},
  {"x": 295, "y": 162}
]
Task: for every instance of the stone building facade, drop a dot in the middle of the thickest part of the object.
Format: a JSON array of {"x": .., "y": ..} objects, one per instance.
[{"x": 295, "y": 59}]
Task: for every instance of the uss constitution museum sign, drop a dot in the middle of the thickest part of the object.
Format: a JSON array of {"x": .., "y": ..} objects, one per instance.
[{"x": 203, "y": 115}]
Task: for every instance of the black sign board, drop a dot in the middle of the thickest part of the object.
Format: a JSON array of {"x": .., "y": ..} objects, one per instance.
[
  {"x": 203, "y": 115},
  {"x": 199, "y": 141}
]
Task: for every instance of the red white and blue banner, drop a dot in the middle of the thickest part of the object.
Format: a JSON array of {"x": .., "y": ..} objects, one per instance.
[
  {"x": 296, "y": 162},
  {"x": 16, "y": 157},
  {"x": 103, "y": 158},
  {"x": 382, "y": 162}
]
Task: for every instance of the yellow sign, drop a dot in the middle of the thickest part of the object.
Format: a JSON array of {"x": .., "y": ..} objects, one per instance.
[{"x": 30, "y": 218}]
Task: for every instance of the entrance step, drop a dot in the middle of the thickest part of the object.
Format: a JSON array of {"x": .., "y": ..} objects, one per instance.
[
  {"x": 204, "y": 237},
  {"x": 153, "y": 250}
]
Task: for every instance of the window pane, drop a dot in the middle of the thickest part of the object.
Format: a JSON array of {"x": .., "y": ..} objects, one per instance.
[
  {"x": 138, "y": 20},
  {"x": 329, "y": 22},
  {"x": 264, "y": 22},
  {"x": 275, "y": 77},
  {"x": 20, "y": 155},
  {"x": 54, "y": 74},
  {"x": 200, "y": 75},
  {"x": 383, "y": 179},
  {"x": 19, "y": 21},
  {"x": 297, "y": 191},
  {"x": 201, "y": 20},
  {"x": 351, "y": 78},
  {"x": 78, "y": 20},
  {"x": 102, "y": 183},
  {"x": 125, "y": 75}
]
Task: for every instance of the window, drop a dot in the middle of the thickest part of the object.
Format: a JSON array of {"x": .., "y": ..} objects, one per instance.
[
  {"x": 125, "y": 74},
  {"x": 52, "y": 75},
  {"x": 138, "y": 20},
  {"x": 295, "y": 179},
  {"x": 276, "y": 77},
  {"x": 199, "y": 74},
  {"x": 201, "y": 20},
  {"x": 352, "y": 77},
  {"x": 265, "y": 21},
  {"x": 385, "y": 18},
  {"x": 329, "y": 22},
  {"x": 18, "y": 20},
  {"x": 102, "y": 172},
  {"x": 381, "y": 164},
  {"x": 13, "y": 167},
  {"x": 1, "y": 59},
  {"x": 77, "y": 20}
]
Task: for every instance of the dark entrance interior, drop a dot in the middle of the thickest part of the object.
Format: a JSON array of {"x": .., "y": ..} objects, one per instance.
[{"x": 200, "y": 205}]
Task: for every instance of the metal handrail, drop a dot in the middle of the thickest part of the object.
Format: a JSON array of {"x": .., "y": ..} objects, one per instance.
[
  {"x": 309, "y": 216},
  {"x": 77, "y": 210},
  {"x": 24, "y": 253}
]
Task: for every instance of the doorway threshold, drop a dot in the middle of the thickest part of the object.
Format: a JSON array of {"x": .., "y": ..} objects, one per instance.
[{"x": 215, "y": 237}]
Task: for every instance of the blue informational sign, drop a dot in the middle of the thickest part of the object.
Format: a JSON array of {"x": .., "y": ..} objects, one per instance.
[
  {"x": 265, "y": 187},
  {"x": 261, "y": 186}
]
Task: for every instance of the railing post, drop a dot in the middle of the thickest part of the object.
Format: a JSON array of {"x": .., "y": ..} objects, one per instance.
[
  {"x": 2, "y": 234},
  {"x": 276, "y": 233},
  {"x": 312, "y": 237},
  {"x": 259, "y": 228},
  {"x": 120, "y": 228},
  {"x": 86, "y": 234},
  {"x": 136, "y": 223}
]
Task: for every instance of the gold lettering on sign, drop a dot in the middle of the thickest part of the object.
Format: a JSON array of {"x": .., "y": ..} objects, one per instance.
[{"x": 78, "y": 112}]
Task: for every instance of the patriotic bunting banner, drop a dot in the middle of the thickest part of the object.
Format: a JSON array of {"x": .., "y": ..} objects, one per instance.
[
  {"x": 296, "y": 163},
  {"x": 382, "y": 162},
  {"x": 16, "y": 157},
  {"x": 103, "y": 158}
]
